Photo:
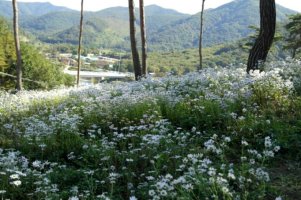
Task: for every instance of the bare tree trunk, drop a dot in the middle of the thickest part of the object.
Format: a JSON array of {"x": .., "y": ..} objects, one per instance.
[
  {"x": 19, "y": 85},
  {"x": 263, "y": 43},
  {"x": 143, "y": 37},
  {"x": 201, "y": 37},
  {"x": 135, "y": 54},
  {"x": 80, "y": 41}
]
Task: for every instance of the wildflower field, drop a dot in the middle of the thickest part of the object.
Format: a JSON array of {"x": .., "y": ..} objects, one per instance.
[{"x": 217, "y": 134}]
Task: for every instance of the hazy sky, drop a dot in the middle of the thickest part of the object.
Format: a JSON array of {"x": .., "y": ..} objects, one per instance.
[{"x": 185, "y": 6}]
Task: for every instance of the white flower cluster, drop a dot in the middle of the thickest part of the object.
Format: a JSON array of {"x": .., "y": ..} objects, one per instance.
[{"x": 123, "y": 132}]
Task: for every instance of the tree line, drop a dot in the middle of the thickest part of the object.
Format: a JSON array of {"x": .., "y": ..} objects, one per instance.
[{"x": 257, "y": 55}]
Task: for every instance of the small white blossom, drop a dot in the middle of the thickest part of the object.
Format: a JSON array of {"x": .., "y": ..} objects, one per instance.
[
  {"x": 16, "y": 183},
  {"x": 267, "y": 142},
  {"x": 244, "y": 143},
  {"x": 14, "y": 176},
  {"x": 151, "y": 193}
]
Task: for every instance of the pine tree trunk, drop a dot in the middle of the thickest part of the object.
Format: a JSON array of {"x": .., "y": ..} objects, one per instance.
[
  {"x": 201, "y": 37},
  {"x": 143, "y": 37},
  {"x": 263, "y": 43},
  {"x": 80, "y": 42},
  {"x": 135, "y": 54},
  {"x": 19, "y": 85}
]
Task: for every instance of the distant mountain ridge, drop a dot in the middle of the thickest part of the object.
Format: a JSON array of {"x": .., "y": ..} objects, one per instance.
[
  {"x": 30, "y": 9},
  {"x": 167, "y": 29}
]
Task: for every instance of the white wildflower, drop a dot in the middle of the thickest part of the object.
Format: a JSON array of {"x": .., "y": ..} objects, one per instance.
[
  {"x": 163, "y": 193},
  {"x": 244, "y": 143},
  {"x": 14, "y": 176},
  {"x": 267, "y": 142},
  {"x": 231, "y": 174},
  {"x": 16, "y": 183},
  {"x": 277, "y": 148},
  {"x": 227, "y": 139},
  {"x": 37, "y": 164},
  {"x": 241, "y": 118},
  {"x": 151, "y": 193}
]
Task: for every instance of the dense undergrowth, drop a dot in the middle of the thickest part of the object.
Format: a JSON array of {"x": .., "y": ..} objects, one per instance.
[{"x": 218, "y": 134}]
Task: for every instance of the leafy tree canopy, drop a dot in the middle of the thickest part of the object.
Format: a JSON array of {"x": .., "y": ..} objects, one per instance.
[{"x": 294, "y": 34}]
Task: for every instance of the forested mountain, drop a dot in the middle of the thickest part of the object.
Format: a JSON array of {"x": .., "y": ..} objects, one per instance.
[
  {"x": 157, "y": 17},
  {"x": 167, "y": 29},
  {"x": 229, "y": 22},
  {"x": 107, "y": 28},
  {"x": 50, "y": 23}
]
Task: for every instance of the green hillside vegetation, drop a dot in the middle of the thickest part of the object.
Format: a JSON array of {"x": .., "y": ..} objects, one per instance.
[
  {"x": 107, "y": 37},
  {"x": 227, "y": 54},
  {"x": 156, "y": 18},
  {"x": 37, "y": 68},
  {"x": 50, "y": 23},
  {"x": 7, "y": 52},
  {"x": 183, "y": 61},
  {"x": 38, "y": 72}
]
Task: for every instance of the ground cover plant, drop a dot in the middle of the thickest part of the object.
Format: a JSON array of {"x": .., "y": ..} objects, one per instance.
[{"x": 218, "y": 134}]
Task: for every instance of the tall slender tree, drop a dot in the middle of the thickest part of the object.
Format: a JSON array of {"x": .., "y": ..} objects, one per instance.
[
  {"x": 135, "y": 54},
  {"x": 80, "y": 42},
  {"x": 19, "y": 85},
  {"x": 201, "y": 37},
  {"x": 263, "y": 43},
  {"x": 143, "y": 37}
]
